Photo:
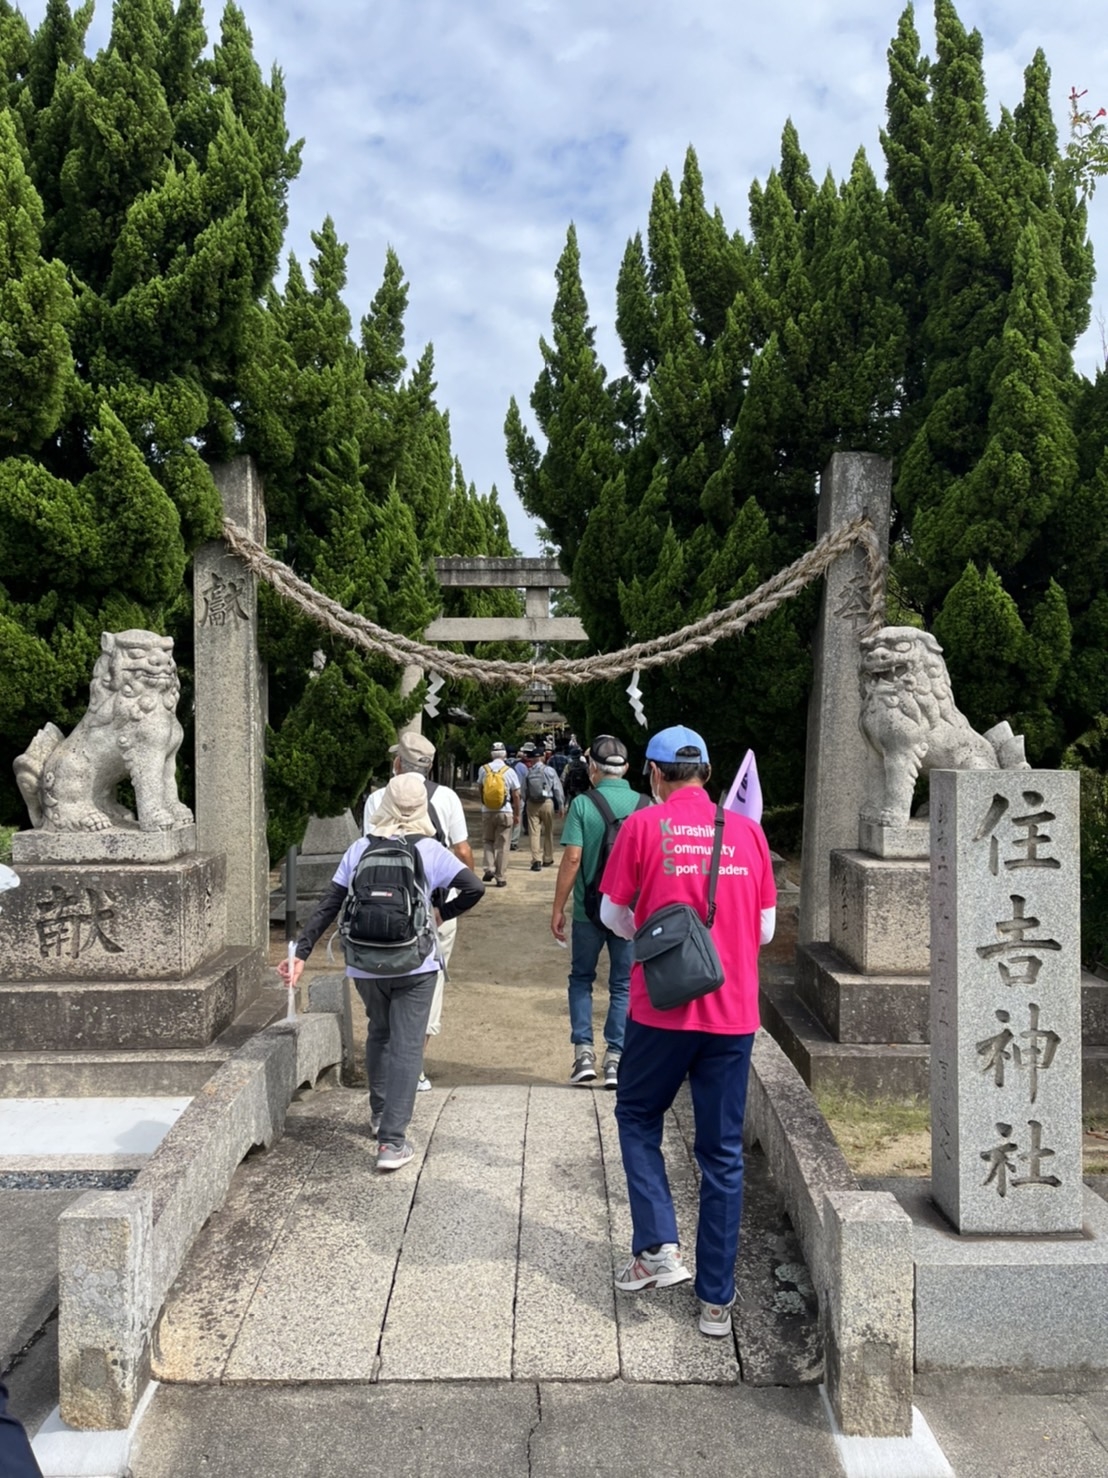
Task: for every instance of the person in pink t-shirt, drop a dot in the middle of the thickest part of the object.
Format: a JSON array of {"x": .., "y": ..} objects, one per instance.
[{"x": 661, "y": 856}]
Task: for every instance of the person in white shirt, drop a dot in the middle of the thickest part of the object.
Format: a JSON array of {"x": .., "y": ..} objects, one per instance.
[
  {"x": 414, "y": 754},
  {"x": 497, "y": 820}
]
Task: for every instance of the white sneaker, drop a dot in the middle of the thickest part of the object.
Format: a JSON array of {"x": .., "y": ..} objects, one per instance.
[
  {"x": 661, "y": 1269},
  {"x": 392, "y": 1156},
  {"x": 424, "y": 1084},
  {"x": 715, "y": 1319}
]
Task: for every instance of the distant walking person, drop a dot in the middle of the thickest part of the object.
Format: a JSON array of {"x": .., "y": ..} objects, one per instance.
[
  {"x": 543, "y": 796},
  {"x": 414, "y": 755},
  {"x": 589, "y": 832},
  {"x": 661, "y": 857},
  {"x": 575, "y": 776},
  {"x": 523, "y": 754},
  {"x": 395, "y": 916},
  {"x": 498, "y": 788}
]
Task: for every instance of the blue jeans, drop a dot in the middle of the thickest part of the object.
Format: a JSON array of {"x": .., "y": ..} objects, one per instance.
[
  {"x": 654, "y": 1064},
  {"x": 586, "y": 941}
]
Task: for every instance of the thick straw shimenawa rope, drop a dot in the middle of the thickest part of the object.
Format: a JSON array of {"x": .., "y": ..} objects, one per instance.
[{"x": 661, "y": 651}]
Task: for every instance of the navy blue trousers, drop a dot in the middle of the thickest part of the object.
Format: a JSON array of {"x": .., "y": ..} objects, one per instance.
[
  {"x": 16, "y": 1458},
  {"x": 654, "y": 1064}
]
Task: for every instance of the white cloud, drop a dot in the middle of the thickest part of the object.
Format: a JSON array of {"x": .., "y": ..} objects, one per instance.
[{"x": 468, "y": 136}]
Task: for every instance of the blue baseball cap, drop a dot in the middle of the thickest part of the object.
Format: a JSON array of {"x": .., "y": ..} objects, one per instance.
[{"x": 677, "y": 745}]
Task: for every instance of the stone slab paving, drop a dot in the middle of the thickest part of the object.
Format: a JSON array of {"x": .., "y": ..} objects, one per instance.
[
  {"x": 29, "y": 1265},
  {"x": 489, "y": 1257},
  {"x": 452, "y": 1307},
  {"x": 321, "y": 1302},
  {"x": 492, "y": 1430},
  {"x": 565, "y": 1327},
  {"x": 658, "y": 1335},
  {"x": 210, "y": 1299}
]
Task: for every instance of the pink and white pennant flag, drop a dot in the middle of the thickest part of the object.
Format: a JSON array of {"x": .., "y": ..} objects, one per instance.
[{"x": 745, "y": 795}]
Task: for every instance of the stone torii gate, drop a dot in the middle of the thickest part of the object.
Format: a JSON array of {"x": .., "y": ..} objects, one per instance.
[{"x": 535, "y": 577}]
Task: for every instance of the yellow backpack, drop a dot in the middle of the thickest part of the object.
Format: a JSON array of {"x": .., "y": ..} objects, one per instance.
[{"x": 494, "y": 788}]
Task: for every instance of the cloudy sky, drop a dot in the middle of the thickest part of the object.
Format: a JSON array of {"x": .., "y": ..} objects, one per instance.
[{"x": 468, "y": 134}]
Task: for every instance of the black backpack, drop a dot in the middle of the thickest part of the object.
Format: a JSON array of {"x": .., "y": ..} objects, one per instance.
[
  {"x": 612, "y": 824},
  {"x": 384, "y": 924},
  {"x": 575, "y": 779}
]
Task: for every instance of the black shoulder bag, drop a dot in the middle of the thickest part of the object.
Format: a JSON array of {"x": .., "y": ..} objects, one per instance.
[{"x": 674, "y": 945}]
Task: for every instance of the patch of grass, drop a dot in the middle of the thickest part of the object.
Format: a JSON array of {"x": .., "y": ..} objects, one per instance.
[
  {"x": 880, "y": 1136},
  {"x": 6, "y": 834},
  {"x": 893, "y": 1136}
]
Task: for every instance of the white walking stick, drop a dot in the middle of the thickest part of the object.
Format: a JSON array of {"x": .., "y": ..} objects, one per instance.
[{"x": 290, "y": 1014}]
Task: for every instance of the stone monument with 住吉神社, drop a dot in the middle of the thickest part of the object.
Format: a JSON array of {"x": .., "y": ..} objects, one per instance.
[{"x": 1006, "y": 1001}]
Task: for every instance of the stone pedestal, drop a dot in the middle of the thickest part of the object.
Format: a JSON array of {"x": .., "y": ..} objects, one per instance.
[
  {"x": 999, "y": 1304},
  {"x": 105, "y": 955},
  {"x": 1006, "y": 1001},
  {"x": 858, "y": 1019},
  {"x": 112, "y": 921},
  {"x": 881, "y": 913}
]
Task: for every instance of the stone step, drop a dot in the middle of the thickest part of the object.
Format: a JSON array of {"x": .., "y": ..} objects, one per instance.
[
  {"x": 490, "y": 1257},
  {"x": 890, "y": 1069},
  {"x": 871, "y": 1070},
  {"x": 860, "y": 1007},
  {"x": 94, "y": 1015},
  {"x": 112, "y": 1073}
]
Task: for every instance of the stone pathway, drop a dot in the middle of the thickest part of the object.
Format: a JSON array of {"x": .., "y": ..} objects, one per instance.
[{"x": 489, "y": 1257}]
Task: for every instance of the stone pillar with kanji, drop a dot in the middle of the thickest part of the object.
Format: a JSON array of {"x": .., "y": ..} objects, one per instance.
[{"x": 1006, "y": 1001}]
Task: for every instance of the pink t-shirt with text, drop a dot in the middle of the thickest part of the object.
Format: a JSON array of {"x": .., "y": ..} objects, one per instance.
[{"x": 662, "y": 855}]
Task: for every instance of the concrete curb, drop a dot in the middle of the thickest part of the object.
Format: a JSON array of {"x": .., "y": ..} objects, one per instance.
[
  {"x": 858, "y": 1247},
  {"x": 119, "y": 1251}
]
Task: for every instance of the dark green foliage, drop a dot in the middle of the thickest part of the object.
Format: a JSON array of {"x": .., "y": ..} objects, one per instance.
[
  {"x": 1089, "y": 756},
  {"x": 141, "y": 212},
  {"x": 932, "y": 320},
  {"x": 142, "y": 209},
  {"x": 682, "y": 487}
]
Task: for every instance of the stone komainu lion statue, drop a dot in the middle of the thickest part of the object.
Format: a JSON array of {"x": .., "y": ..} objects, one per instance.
[
  {"x": 909, "y": 717},
  {"x": 130, "y": 729}
]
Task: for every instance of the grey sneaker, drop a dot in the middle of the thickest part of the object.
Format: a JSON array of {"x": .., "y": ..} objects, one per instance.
[
  {"x": 611, "y": 1069},
  {"x": 715, "y": 1319},
  {"x": 661, "y": 1269},
  {"x": 584, "y": 1066},
  {"x": 392, "y": 1156}
]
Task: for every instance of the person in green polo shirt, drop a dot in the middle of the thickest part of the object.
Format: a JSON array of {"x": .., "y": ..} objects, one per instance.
[{"x": 583, "y": 839}]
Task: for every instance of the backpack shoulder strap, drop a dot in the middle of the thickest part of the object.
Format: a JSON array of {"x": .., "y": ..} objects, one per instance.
[
  {"x": 602, "y": 806},
  {"x": 440, "y": 832}
]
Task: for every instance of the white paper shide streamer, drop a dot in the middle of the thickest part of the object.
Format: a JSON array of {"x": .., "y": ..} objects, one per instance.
[
  {"x": 634, "y": 692},
  {"x": 431, "y": 705}
]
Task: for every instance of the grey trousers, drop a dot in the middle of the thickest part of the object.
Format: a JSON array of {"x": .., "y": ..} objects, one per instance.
[{"x": 398, "y": 1012}]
